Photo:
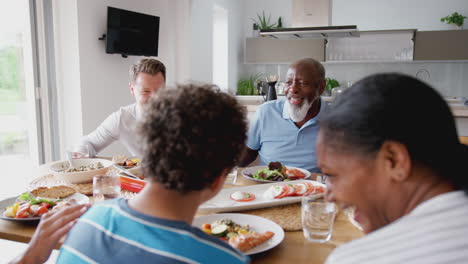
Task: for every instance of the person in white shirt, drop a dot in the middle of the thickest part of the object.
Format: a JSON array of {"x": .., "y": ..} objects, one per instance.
[
  {"x": 401, "y": 167},
  {"x": 146, "y": 77}
]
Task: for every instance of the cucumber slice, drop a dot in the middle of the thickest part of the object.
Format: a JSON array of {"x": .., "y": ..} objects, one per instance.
[
  {"x": 220, "y": 230},
  {"x": 231, "y": 234}
]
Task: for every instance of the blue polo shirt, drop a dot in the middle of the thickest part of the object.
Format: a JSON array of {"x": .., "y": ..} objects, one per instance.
[{"x": 277, "y": 138}]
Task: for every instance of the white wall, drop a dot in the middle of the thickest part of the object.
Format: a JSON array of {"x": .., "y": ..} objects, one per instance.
[
  {"x": 396, "y": 14},
  {"x": 201, "y": 50},
  {"x": 93, "y": 84}
]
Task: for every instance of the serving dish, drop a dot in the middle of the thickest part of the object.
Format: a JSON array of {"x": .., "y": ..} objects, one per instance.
[
  {"x": 131, "y": 184},
  {"x": 223, "y": 203},
  {"x": 57, "y": 168},
  {"x": 256, "y": 223}
]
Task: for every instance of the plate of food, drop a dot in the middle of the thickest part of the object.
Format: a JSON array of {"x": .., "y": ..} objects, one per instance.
[
  {"x": 30, "y": 206},
  {"x": 262, "y": 195},
  {"x": 249, "y": 233},
  {"x": 275, "y": 172},
  {"x": 126, "y": 162}
]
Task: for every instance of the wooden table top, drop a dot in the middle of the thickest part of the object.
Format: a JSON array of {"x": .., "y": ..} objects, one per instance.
[{"x": 294, "y": 249}]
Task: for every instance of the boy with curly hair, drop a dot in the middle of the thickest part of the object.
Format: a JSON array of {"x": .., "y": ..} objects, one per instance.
[{"x": 192, "y": 137}]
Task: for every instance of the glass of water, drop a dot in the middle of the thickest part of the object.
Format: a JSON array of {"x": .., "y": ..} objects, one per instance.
[
  {"x": 105, "y": 187},
  {"x": 318, "y": 217},
  {"x": 231, "y": 178}
]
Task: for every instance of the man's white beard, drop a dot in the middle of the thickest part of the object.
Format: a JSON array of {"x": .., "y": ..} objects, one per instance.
[{"x": 298, "y": 113}]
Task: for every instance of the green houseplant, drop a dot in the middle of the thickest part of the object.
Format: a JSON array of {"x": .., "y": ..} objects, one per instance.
[
  {"x": 264, "y": 22},
  {"x": 247, "y": 86},
  {"x": 330, "y": 84},
  {"x": 455, "y": 18}
]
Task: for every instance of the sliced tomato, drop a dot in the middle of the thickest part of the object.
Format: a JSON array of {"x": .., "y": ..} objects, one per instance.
[
  {"x": 294, "y": 174},
  {"x": 23, "y": 211},
  {"x": 246, "y": 197},
  {"x": 47, "y": 205},
  {"x": 292, "y": 190},
  {"x": 285, "y": 190},
  {"x": 310, "y": 188},
  {"x": 42, "y": 210},
  {"x": 300, "y": 189},
  {"x": 319, "y": 189}
]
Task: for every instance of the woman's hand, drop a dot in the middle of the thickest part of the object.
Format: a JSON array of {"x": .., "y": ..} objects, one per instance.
[{"x": 53, "y": 226}]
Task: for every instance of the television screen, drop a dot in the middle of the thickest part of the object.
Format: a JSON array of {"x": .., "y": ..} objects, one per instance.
[{"x": 131, "y": 33}]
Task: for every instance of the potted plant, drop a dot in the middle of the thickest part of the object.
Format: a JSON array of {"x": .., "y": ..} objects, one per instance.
[
  {"x": 455, "y": 19},
  {"x": 330, "y": 84},
  {"x": 247, "y": 85},
  {"x": 264, "y": 22}
]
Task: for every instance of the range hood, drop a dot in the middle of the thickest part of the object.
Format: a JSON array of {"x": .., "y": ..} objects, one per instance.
[{"x": 312, "y": 32}]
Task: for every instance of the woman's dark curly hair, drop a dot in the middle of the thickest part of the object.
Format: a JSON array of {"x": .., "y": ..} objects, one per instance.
[
  {"x": 400, "y": 108},
  {"x": 190, "y": 135}
]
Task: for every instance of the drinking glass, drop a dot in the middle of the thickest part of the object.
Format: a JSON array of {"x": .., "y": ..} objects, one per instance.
[
  {"x": 231, "y": 177},
  {"x": 105, "y": 187},
  {"x": 318, "y": 217}
]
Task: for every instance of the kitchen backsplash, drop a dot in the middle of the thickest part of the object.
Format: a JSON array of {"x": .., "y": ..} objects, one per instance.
[{"x": 450, "y": 78}]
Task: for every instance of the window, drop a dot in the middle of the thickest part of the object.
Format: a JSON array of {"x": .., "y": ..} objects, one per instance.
[{"x": 20, "y": 148}]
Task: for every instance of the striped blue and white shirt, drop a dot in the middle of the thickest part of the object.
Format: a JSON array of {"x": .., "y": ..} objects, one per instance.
[{"x": 112, "y": 232}]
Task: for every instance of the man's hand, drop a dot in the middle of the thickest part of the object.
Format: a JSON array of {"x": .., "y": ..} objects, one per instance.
[{"x": 53, "y": 226}]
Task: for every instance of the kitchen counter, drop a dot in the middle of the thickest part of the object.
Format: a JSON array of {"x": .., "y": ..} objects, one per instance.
[
  {"x": 253, "y": 101},
  {"x": 459, "y": 110}
]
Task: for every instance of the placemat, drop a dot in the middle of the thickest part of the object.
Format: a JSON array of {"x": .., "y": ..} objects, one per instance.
[{"x": 287, "y": 216}]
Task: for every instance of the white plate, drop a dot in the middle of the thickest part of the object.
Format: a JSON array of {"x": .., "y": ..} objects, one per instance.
[
  {"x": 223, "y": 203},
  {"x": 250, "y": 171},
  {"x": 79, "y": 198},
  {"x": 257, "y": 224}
]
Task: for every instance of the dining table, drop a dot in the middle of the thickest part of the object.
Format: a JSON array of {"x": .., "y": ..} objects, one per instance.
[{"x": 293, "y": 249}]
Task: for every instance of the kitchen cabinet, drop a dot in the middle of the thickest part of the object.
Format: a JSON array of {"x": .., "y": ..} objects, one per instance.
[
  {"x": 441, "y": 45},
  {"x": 269, "y": 50},
  {"x": 379, "y": 45}
]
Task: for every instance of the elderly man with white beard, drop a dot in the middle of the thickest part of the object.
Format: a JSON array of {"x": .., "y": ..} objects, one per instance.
[{"x": 285, "y": 130}]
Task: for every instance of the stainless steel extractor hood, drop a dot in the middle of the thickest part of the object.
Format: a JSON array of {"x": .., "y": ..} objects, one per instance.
[{"x": 312, "y": 32}]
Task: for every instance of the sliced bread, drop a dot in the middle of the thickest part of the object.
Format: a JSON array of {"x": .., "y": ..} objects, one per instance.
[{"x": 59, "y": 191}]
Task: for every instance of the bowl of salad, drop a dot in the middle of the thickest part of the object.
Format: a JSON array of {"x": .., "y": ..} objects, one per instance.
[{"x": 275, "y": 172}]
